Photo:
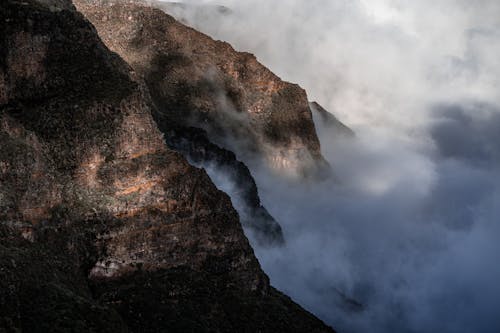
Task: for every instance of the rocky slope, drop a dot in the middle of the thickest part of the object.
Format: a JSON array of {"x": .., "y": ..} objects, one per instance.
[
  {"x": 103, "y": 228},
  {"x": 194, "y": 144},
  {"x": 178, "y": 98},
  {"x": 196, "y": 81}
]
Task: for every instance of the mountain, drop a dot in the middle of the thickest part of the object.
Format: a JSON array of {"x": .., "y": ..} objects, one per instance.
[
  {"x": 199, "y": 82},
  {"x": 195, "y": 11},
  {"x": 103, "y": 227},
  {"x": 194, "y": 145}
]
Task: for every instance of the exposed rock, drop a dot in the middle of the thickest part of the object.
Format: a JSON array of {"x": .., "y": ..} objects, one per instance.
[
  {"x": 41, "y": 291},
  {"x": 188, "y": 12},
  {"x": 196, "y": 81},
  {"x": 103, "y": 228},
  {"x": 177, "y": 96},
  {"x": 194, "y": 144},
  {"x": 197, "y": 9}
]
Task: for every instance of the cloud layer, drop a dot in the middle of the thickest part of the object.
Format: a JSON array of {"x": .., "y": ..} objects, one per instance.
[{"x": 411, "y": 228}]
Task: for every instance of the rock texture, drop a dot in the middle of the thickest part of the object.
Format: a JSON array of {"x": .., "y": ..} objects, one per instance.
[
  {"x": 194, "y": 144},
  {"x": 196, "y": 81},
  {"x": 185, "y": 96},
  {"x": 103, "y": 228},
  {"x": 192, "y": 11}
]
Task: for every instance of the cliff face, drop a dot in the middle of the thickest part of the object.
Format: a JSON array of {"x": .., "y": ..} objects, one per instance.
[
  {"x": 102, "y": 226},
  {"x": 196, "y": 81},
  {"x": 187, "y": 96},
  {"x": 194, "y": 144}
]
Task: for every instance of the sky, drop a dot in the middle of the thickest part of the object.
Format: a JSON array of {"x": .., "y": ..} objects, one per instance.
[{"x": 410, "y": 226}]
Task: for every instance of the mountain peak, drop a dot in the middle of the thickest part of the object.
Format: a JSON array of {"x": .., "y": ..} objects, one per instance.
[
  {"x": 199, "y": 82},
  {"x": 103, "y": 226}
]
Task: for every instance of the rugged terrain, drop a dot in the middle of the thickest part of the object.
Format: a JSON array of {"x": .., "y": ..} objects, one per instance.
[
  {"x": 197, "y": 81},
  {"x": 193, "y": 143},
  {"x": 103, "y": 228}
]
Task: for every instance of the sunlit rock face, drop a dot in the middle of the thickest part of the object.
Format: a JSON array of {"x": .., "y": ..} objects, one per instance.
[
  {"x": 196, "y": 81},
  {"x": 102, "y": 227},
  {"x": 188, "y": 90}
]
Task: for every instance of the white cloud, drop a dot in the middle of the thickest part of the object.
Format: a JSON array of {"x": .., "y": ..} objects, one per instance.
[{"x": 412, "y": 228}]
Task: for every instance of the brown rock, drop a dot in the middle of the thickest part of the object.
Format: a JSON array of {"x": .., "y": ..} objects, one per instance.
[
  {"x": 177, "y": 96},
  {"x": 120, "y": 232},
  {"x": 194, "y": 144},
  {"x": 196, "y": 81}
]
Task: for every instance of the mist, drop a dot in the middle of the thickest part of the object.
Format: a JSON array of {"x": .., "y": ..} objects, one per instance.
[{"x": 409, "y": 227}]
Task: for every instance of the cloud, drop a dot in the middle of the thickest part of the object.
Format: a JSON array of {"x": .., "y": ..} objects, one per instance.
[
  {"x": 468, "y": 132},
  {"x": 410, "y": 226},
  {"x": 368, "y": 67}
]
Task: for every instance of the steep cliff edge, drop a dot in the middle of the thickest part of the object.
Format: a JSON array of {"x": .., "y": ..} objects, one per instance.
[
  {"x": 198, "y": 82},
  {"x": 102, "y": 227},
  {"x": 194, "y": 144},
  {"x": 186, "y": 98}
]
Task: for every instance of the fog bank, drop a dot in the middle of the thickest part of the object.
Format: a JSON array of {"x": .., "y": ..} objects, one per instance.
[{"x": 410, "y": 227}]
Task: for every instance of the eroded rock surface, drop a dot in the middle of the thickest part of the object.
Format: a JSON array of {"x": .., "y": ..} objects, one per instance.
[
  {"x": 196, "y": 81},
  {"x": 103, "y": 228},
  {"x": 188, "y": 92},
  {"x": 240, "y": 185}
]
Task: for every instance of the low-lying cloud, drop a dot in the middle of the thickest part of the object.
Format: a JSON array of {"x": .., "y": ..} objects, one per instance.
[{"x": 410, "y": 227}]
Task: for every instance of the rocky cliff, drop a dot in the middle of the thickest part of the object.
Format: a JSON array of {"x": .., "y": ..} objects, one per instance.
[
  {"x": 177, "y": 96},
  {"x": 194, "y": 144},
  {"x": 199, "y": 82},
  {"x": 103, "y": 228}
]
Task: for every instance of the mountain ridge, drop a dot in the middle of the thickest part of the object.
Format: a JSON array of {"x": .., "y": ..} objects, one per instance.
[
  {"x": 103, "y": 227},
  {"x": 196, "y": 81}
]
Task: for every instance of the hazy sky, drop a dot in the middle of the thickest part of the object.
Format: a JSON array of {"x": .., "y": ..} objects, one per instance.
[{"x": 412, "y": 230}]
